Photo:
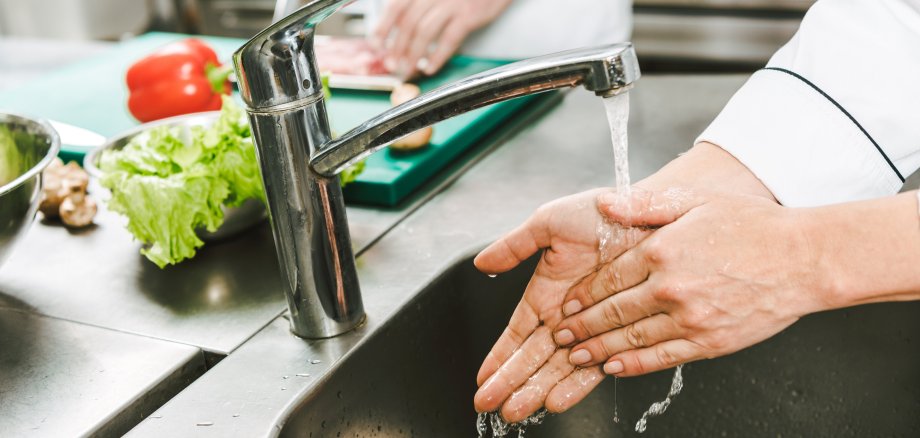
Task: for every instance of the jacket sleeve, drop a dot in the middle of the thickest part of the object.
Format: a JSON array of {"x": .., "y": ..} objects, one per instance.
[{"x": 835, "y": 115}]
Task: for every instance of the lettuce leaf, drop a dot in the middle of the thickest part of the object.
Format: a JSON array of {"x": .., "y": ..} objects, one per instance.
[
  {"x": 170, "y": 182},
  {"x": 11, "y": 165}
]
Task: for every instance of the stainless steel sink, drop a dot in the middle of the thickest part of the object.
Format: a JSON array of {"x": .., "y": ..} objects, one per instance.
[{"x": 848, "y": 372}]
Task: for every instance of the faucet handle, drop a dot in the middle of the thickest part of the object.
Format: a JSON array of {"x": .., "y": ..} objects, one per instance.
[{"x": 277, "y": 67}]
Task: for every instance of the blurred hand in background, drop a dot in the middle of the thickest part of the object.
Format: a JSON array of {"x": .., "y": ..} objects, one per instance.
[{"x": 419, "y": 36}]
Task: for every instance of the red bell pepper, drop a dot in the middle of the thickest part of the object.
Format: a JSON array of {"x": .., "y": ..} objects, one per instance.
[{"x": 179, "y": 78}]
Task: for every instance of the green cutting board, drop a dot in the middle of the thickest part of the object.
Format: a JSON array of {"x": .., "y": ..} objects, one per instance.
[{"x": 91, "y": 94}]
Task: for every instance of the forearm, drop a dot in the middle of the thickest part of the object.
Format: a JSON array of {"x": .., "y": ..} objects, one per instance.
[
  {"x": 707, "y": 168},
  {"x": 867, "y": 251}
]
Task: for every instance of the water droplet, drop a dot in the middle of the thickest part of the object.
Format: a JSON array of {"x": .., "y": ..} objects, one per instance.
[
  {"x": 285, "y": 377},
  {"x": 315, "y": 361},
  {"x": 302, "y": 374},
  {"x": 204, "y": 423},
  {"x": 156, "y": 416},
  {"x": 493, "y": 275},
  {"x": 236, "y": 415}
]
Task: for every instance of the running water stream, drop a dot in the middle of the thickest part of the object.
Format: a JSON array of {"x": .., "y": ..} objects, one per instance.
[{"x": 611, "y": 236}]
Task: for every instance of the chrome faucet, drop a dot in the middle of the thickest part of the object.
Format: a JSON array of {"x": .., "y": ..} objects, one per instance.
[{"x": 300, "y": 162}]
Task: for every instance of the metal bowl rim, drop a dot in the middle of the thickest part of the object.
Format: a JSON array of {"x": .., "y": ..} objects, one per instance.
[
  {"x": 89, "y": 162},
  {"x": 44, "y": 162}
]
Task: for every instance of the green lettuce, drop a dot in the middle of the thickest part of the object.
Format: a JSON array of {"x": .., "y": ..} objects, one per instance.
[
  {"x": 171, "y": 182},
  {"x": 11, "y": 165}
]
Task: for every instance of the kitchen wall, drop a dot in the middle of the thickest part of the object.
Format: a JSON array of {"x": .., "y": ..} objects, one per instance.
[
  {"x": 74, "y": 19},
  {"x": 713, "y": 35},
  {"x": 670, "y": 35}
]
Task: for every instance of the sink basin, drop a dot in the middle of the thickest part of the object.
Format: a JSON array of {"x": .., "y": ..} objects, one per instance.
[{"x": 845, "y": 372}]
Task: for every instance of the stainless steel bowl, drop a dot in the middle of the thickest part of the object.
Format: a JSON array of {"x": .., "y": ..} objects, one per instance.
[
  {"x": 236, "y": 219},
  {"x": 36, "y": 144}
]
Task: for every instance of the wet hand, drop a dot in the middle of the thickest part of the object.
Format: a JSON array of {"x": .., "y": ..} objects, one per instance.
[
  {"x": 719, "y": 274},
  {"x": 524, "y": 371},
  {"x": 421, "y": 35}
]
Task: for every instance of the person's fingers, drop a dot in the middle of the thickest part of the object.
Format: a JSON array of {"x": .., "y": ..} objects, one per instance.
[
  {"x": 523, "y": 322},
  {"x": 640, "y": 334},
  {"x": 451, "y": 38},
  {"x": 612, "y": 313},
  {"x": 515, "y": 247},
  {"x": 427, "y": 33},
  {"x": 647, "y": 208},
  {"x": 391, "y": 13},
  {"x": 624, "y": 272},
  {"x": 531, "y": 396},
  {"x": 522, "y": 364},
  {"x": 407, "y": 27},
  {"x": 658, "y": 357},
  {"x": 573, "y": 389}
]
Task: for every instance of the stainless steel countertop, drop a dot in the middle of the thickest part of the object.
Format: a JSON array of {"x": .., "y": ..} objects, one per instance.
[
  {"x": 58, "y": 378},
  {"x": 566, "y": 152}
]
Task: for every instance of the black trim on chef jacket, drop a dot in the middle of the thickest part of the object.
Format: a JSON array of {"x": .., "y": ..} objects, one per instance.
[{"x": 844, "y": 111}]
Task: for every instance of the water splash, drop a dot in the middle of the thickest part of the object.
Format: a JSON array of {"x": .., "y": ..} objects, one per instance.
[
  {"x": 494, "y": 423},
  {"x": 658, "y": 408}
]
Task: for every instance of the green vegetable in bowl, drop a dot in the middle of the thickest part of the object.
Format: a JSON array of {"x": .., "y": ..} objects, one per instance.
[
  {"x": 169, "y": 182},
  {"x": 168, "y": 186},
  {"x": 10, "y": 157}
]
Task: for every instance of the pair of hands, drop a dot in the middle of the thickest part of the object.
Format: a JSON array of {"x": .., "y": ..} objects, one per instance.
[
  {"x": 421, "y": 35},
  {"x": 696, "y": 276}
]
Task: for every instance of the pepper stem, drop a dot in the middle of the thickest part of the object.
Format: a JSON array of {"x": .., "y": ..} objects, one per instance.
[{"x": 217, "y": 75}]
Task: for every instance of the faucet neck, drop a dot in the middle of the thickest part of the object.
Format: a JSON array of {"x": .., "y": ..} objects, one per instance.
[{"x": 604, "y": 70}]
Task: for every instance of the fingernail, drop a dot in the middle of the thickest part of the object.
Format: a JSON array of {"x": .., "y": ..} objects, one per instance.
[
  {"x": 571, "y": 307},
  {"x": 614, "y": 367},
  {"x": 579, "y": 357},
  {"x": 564, "y": 337}
]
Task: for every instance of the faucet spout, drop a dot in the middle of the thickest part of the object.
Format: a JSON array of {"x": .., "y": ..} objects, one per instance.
[{"x": 605, "y": 70}]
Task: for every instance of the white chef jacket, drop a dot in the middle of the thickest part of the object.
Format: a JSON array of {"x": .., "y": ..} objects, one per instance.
[
  {"x": 538, "y": 27},
  {"x": 835, "y": 115}
]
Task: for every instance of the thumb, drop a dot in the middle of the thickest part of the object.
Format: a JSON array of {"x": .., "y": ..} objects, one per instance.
[
  {"x": 515, "y": 247},
  {"x": 639, "y": 207}
]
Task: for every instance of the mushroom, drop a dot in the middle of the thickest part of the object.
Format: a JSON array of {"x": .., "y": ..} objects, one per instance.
[
  {"x": 404, "y": 92},
  {"x": 78, "y": 209},
  {"x": 75, "y": 179},
  {"x": 64, "y": 194},
  {"x": 52, "y": 185},
  {"x": 418, "y": 139}
]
